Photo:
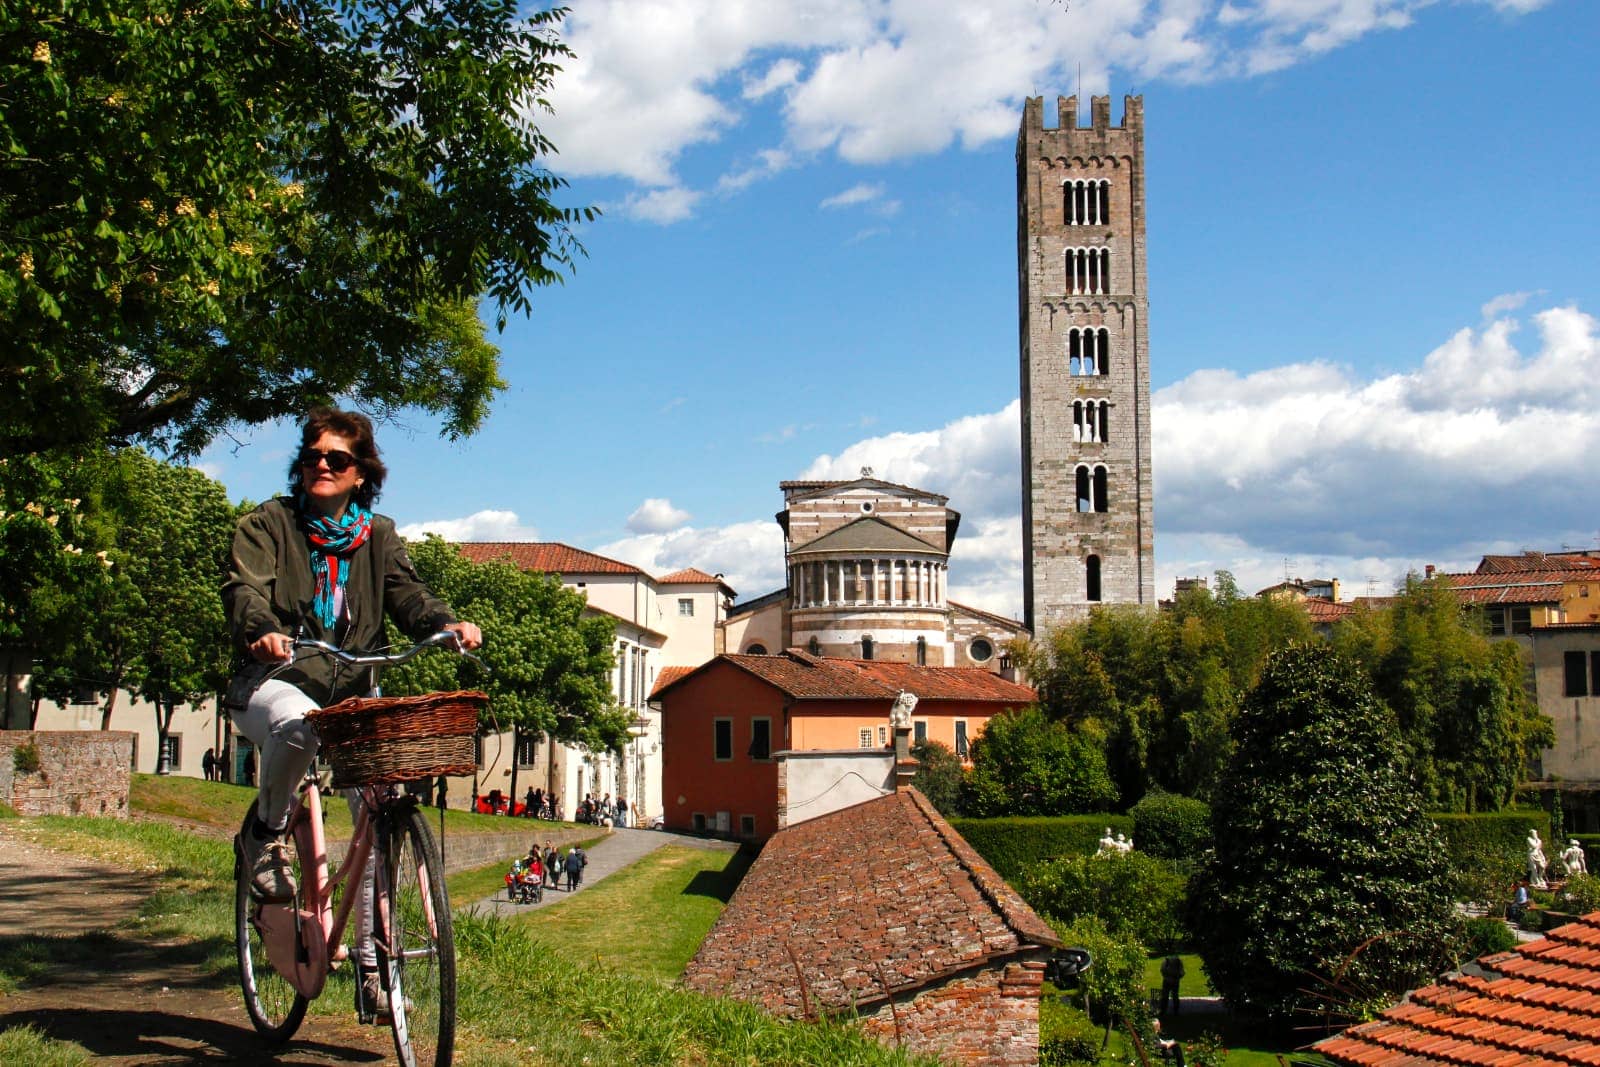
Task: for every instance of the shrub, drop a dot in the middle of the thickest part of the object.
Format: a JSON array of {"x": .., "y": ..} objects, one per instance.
[
  {"x": 1322, "y": 848},
  {"x": 1012, "y": 845},
  {"x": 1580, "y": 895},
  {"x": 1130, "y": 892},
  {"x": 25, "y": 758},
  {"x": 1488, "y": 851},
  {"x": 1487, "y": 936},
  {"x": 1067, "y": 1037},
  {"x": 1026, "y": 764},
  {"x": 938, "y": 776},
  {"x": 1113, "y": 987},
  {"x": 1172, "y": 826}
]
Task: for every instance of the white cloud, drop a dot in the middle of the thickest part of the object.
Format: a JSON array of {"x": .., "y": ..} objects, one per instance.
[
  {"x": 860, "y": 193},
  {"x": 974, "y": 461},
  {"x": 656, "y": 515},
  {"x": 1503, "y": 304},
  {"x": 877, "y": 80},
  {"x": 486, "y": 525},
  {"x": 749, "y": 555},
  {"x": 661, "y": 206},
  {"x": 769, "y": 162}
]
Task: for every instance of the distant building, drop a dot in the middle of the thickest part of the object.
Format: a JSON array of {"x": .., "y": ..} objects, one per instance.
[
  {"x": 675, "y": 620},
  {"x": 726, "y": 724},
  {"x": 867, "y": 562},
  {"x": 1549, "y": 603},
  {"x": 884, "y": 912}
]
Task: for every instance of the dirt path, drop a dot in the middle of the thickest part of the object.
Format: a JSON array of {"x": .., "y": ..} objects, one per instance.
[{"x": 129, "y": 1000}]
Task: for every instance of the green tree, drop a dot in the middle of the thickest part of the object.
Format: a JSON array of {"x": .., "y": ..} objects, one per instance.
[
  {"x": 1130, "y": 893},
  {"x": 214, "y": 212},
  {"x": 939, "y": 775},
  {"x": 153, "y": 625},
  {"x": 1469, "y": 725},
  {"x": 549, "y": 664},
  {"x": 1025, "y": 764},
  {"x": 1323, "y": 855}
]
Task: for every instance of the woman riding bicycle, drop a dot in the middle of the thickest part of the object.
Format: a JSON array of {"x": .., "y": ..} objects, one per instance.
[{"x": 315, "y": 564}]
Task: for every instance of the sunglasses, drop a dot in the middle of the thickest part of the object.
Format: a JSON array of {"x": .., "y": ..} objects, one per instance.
[{"x": 338, "y": 460}]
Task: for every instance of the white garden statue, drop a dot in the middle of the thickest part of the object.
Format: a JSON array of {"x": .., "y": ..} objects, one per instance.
[
  {"x": 1536, "y": 861},
  {"x": 1107, "y": 844},
  {"x": 1572, "y": 859}
]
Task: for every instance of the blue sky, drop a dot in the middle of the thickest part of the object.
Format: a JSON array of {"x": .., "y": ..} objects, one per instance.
[{"x": 1372, "y": 268}]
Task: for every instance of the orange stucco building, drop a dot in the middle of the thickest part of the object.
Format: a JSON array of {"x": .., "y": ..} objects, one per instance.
[{"x": 725, "y": 724}]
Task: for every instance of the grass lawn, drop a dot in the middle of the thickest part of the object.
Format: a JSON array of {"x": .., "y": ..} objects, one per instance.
[
  {"x": 648, "y": 919},
  {"x": 1193, "y": 983},
  {"x": 222, "y": 805},
  {"x": 524, "y": 999}
]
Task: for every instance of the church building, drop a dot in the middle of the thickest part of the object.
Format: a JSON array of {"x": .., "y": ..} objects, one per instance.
[{"x": 867, "y": 562}]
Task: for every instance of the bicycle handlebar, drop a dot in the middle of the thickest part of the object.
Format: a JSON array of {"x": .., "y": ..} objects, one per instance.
[{"x": 374, "y": 659}]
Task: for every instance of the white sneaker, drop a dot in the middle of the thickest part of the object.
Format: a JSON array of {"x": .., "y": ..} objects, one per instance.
[{"x": 269, "y": 862}]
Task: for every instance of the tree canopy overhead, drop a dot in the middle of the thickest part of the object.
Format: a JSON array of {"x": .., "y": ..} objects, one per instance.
[{"x": 215, "y": 212}]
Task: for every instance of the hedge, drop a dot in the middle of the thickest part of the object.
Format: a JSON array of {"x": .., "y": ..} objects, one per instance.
[
  {"x": 1505, "y": 833},
  {"x": 1013, "y": 844}
]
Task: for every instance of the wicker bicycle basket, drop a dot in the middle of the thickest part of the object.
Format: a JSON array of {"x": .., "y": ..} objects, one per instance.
[{"x": 381, "y": 740}]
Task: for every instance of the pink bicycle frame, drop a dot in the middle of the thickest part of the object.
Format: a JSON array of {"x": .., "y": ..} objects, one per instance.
[{"x": 304, "y": 943}]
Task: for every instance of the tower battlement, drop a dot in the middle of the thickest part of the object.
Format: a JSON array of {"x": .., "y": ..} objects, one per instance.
[{"x": 1067, "y": 115}]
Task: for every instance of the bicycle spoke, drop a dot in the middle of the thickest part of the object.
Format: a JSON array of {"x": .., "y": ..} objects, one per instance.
[
  {"x": 421, "y": 951},
  {"x": 274, "y": 1006}
]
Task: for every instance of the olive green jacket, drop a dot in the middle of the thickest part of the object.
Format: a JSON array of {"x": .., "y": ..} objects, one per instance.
[{"x": 268, "y": 589}]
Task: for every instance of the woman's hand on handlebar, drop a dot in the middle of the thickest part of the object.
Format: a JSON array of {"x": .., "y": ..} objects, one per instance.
[
  {"x": 273, "y": 648},
  {"x": 467, "y": 633}
]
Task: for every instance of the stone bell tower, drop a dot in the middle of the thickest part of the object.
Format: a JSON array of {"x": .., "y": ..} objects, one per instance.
[{"x": 1088, "y": 535}]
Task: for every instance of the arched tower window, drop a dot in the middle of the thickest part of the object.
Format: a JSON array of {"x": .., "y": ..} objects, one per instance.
[
  {"x": 866, "y": 646},
  {"x": 1085, "y": 203},
  {"x": 1085, "y": 502},
  {"x": 922, "y": 651},
  {"x": 814, "y": 646},
  {"x": 756, "y": 650},
  {"x": 1102, "y": 424},
  {"x": 1100, "y": 489},
  {"x": 1091, "y": 578},
  {"x": 1102, "y": 351}
]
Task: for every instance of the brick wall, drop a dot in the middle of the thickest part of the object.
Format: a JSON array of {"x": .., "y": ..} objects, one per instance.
[
  {"x": 988, "y": 1016},
  {"x": 81, "y": 772}
]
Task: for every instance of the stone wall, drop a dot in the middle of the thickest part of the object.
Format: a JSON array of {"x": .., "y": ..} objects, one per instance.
[
  {"x": 81, "y": 772},
  {"x": 988, "y": 1016},
  {"x": 1057, "y": 538},
  {"x": 462, "y": 852}
]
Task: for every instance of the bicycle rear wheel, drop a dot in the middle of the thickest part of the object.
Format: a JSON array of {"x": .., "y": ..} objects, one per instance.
[
  {"x": 418, "y": 953},
  {"x": 275, "y": 1007}
]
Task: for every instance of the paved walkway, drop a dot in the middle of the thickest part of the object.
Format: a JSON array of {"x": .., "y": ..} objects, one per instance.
[{"x": 621, "y": 848}]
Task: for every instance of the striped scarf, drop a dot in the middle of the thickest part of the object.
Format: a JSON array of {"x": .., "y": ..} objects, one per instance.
[{"x": 333, "y": 542}]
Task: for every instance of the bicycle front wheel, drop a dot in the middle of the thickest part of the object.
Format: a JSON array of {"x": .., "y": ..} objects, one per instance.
[
  {"x": 419, "y": 952},
  {"x": 275, "y": 1007}
]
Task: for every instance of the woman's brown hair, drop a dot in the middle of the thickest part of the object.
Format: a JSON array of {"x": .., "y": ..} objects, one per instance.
[{"x": 357, "y": 429}]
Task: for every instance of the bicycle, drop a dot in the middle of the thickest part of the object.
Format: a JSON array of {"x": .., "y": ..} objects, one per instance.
[{"x": 286, "y": 950}]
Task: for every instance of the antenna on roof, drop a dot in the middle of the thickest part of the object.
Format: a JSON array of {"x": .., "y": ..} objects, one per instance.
[{"x": 1372, "y": 583}]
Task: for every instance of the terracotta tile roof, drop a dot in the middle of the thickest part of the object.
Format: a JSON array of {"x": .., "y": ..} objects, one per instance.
[
  {"x": 944, "y": 683},
  {"x": 1538, "y": 561},
  {"x": 667, "y": 676},
  {"x": 551, "y": 557},
  {"x": 1509, "y": 593},
  {"x": 1321, "y": 609},
  {"x": 1013, "y": 625},
  {"x": 882, "y": 893},
  {"x": 800, "y": 675},
  {"x": 1537, "y": 1004},
  {"x": 693, "y": 576}
]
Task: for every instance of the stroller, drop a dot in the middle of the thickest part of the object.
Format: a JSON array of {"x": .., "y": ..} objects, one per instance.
[{"x": 525, "y": 882}]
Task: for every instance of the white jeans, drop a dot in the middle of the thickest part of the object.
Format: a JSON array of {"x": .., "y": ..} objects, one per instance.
[{"x": 275, "y": 722}]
